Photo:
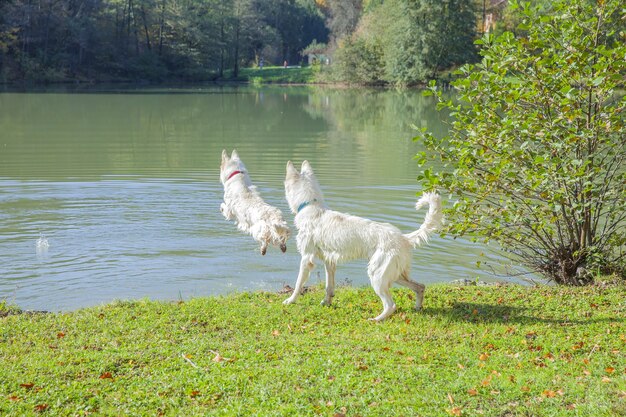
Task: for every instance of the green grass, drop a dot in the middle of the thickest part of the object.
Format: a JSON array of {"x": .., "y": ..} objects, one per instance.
[
  {"x": 492, "y": 351},
  {"x": 278, "y": 75}
]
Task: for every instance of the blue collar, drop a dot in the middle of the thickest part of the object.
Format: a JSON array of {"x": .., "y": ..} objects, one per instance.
[{"x": 303, "y": 205}]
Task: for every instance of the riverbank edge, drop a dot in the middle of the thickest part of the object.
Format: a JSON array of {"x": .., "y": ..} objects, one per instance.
[{"x": 289, "y": 76}]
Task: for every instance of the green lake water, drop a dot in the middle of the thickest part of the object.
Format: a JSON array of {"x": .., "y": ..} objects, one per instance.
[{"x": 114, "y": 193}]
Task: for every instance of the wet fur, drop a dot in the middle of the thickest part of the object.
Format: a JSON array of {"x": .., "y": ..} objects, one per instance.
[
  {"x": 335, "y": 237},
  {"x": 243, "y": 204}
]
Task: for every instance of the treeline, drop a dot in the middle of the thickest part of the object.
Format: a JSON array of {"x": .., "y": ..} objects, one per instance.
[
  {"x": 366, "y": 41},
  {"x": 407, "y": 41},
  {"x": 56, "y": 40}
]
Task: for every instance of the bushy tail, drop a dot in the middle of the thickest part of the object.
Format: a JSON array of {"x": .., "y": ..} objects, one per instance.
[{"x": 432, "y": 222}]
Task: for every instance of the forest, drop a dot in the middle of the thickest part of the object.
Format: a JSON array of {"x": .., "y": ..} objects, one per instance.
[{"x": 367, "y": 41}]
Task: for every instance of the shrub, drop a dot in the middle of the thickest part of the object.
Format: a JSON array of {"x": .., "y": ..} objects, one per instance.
[{"x": 536, "y": 150}]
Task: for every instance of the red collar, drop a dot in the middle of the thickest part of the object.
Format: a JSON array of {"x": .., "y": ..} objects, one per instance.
[{"x": 233, "y": 174}]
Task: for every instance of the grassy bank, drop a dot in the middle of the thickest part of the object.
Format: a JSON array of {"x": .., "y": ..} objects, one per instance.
[
  {"x": 278, "y": 75},
  {"x": 492, "y": 351}
]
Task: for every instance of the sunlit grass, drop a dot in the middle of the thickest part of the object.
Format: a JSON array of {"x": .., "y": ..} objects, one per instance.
[
  {"x": 493, "y": 351},
  {"x": 278, "y": 75}
]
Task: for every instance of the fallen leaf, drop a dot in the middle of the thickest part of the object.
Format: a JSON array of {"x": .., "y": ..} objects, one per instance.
[
  {"x": 14, "y": 398},
  {"x": 525, "y": 388},
  {"x": 456, "y": 411},
  {"x": 483, "y": 356},
  {"x": 460, "y": 366},
  {"x": 548, "y": 393},
  {"x": 28, "y": 385},
  {"x": 485, "y": 382},
  {"x": 194, "y": 393},
  {"x": 578, "y": 345},
  {"x": 275, "y": 333},
  {"x": 106, "y": 375},
  {"x": 450, "y": 399},
  {"x": 41, "y": 407},
  {"x": 610, "y": 370},
  {"x": 60, "y": 335},
  {"x": 606, "y": 379},
  {"x": 472, "y": 392}
]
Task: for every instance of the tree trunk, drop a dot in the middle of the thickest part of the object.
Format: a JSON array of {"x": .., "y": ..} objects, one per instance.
[
  {"x": 161, "y": 27},
  {"x": 145, "y": 28}
]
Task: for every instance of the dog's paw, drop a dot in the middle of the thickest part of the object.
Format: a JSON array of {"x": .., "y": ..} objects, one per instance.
[
  {"x": 263, "y": 250},
  {"x": 326, "y": 302},
  {"x": 283, "y": 247},
  {"x": 289, "y": 301}
]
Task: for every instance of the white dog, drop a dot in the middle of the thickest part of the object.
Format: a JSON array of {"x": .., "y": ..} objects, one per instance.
[
  {"x": 243, "y": 203},
  {"x": 334, "y": 237}
]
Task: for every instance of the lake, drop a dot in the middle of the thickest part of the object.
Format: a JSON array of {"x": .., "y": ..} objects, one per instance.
[{"x": 114, "y": 193}]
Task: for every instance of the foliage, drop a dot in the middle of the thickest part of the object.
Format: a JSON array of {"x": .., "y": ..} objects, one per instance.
[
  {"x": 489, "y": 351},
  {"x": 535, "y": 155},
  {"x": 419, "y": 37},
  {"x": 150, "y": 39},
  {"x": 359, "y": 61}
]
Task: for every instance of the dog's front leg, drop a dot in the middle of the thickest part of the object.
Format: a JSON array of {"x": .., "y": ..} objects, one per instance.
[
  {"x": 227, "y": 212},
  {"x": 330, "y": 283},
  {"x": 305, "y": 270}
]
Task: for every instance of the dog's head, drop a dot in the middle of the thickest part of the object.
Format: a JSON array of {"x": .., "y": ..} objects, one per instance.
[
  {"x": 230, "y": 165},
  {"x": 302, "y": 187}
]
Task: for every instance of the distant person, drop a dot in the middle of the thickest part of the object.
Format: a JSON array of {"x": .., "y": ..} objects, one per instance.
[
  {"x": 261, "y": 62},
  {"x": 285, "y": 64}
]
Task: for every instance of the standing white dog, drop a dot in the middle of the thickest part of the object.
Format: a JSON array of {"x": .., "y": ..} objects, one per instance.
[
  {"x": 243, "y": 203},
  {"x": 334, "y": 237}
]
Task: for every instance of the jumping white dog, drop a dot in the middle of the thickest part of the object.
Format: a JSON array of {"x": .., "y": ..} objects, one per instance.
[
  {"x": 243, "y": 203},
  {"x": 334, "y": 237}
]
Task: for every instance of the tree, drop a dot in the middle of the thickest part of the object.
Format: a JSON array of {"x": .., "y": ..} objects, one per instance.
[
  {"x": 416, "y": 39},
  {"x": 535, "y": 154}
]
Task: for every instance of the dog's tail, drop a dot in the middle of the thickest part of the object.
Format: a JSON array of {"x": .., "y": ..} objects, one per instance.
[{"x": 432, "y": 222}]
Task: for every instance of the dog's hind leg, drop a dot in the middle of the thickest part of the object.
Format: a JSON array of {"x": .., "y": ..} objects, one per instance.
[
  {"x": 415, "y": 286},
  {"x": 382, "y": 290},
  {"x": 382, "y": 275},
  {"x": 306, "y": 265},
  {"x": 330, "y": 283}
]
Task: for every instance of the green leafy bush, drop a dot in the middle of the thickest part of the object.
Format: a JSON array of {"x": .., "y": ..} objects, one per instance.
[{"x": 535, "y": 154}]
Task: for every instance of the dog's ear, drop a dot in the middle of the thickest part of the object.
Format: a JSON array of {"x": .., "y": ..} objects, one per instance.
[
  {"x": 224, "y": 156},
  {"x": 291, "y": 170},
  {"x": 306, "y": 167},
  {"x": 234, "y": 155}
]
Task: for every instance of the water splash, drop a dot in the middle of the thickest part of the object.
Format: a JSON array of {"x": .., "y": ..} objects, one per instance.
[{"x": 42, "y": 245}]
